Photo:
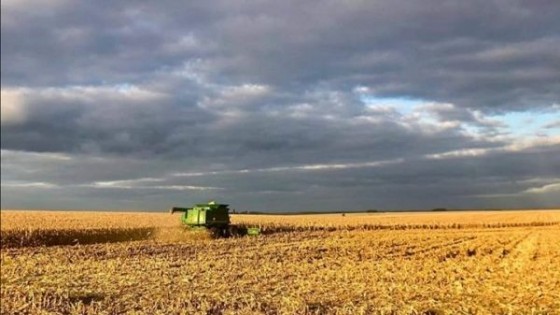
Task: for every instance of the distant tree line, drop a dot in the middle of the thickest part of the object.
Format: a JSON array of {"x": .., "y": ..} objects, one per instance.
[{"x": 439, "y": 209}]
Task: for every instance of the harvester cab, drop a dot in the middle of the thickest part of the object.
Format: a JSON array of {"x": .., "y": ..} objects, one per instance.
[{"x": 207, "y": 215}]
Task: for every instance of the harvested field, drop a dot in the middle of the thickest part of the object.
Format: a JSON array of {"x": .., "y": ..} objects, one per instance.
[{"x": 406, "y": 263}]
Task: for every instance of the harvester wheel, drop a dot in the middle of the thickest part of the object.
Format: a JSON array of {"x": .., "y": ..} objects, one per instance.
[
  {"x": 224, "y": 231},
  {"x": 219, "y": 231},
  {"x": 215, "y": 231},
  {"x": 235, "y": 230}
]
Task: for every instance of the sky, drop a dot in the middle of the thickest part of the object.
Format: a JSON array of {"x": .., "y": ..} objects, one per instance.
[{"x": 280, "y": 105}]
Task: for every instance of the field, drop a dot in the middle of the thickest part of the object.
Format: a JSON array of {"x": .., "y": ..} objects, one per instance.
[{"x": 502, "y": 262}]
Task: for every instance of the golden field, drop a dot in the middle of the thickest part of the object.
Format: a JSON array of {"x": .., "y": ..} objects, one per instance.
[{"x": 502, "y": 262}]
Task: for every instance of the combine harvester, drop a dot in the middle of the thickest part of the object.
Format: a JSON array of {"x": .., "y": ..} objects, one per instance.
[{"x": 213, "y": 217}]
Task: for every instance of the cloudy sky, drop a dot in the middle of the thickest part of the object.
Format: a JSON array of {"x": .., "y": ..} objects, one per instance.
[{"x": 280, "y": 105}]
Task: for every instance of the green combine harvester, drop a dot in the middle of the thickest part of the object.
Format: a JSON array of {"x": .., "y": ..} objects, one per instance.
[{"x": 214, "y": 217}]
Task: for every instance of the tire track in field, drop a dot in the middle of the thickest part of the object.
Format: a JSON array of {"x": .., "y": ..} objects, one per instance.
[
  {"x": 424, "y": 251},
  {"x": 522, "y": 252},
  {"x": 491, "y": 245},
  {"x": 318, "y": 246}
]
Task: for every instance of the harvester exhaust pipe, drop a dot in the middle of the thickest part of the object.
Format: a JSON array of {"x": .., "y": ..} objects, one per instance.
[{"x": 177, "y": 209}]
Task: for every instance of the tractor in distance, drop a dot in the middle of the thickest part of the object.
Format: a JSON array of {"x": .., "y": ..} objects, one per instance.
[{"x": 214, "y": 217}]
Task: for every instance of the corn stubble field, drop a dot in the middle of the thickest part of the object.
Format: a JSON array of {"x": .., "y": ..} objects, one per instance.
[{"x": 503, "y": 262}]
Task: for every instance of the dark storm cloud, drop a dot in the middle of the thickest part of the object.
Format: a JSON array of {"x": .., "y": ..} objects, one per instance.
[
  {"x": 229, "y": 127},
  {"x": 490, "y": 54},
  {"x": 268, "y": 101},
  {"x": 499, "y": 177}
]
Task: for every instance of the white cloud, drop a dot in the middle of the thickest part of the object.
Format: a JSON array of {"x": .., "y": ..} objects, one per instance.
[
  {"x": 15, "y": 99},
  {"x": 42, "y": 185},
  {"x": 12, "y": 106},
  {"x": 26, "y": 4},
  {"x": 459, "y": 153},
  {"x": 12, "y": 155},
  {"x": 185, "y": 187},
  {"x": 233, "y": 97},
  {"x": 523, "y": 144},
  {"x": 514, "y": 146},
  {"x": 139, "y": 184},
  {"x": 550, "y": 188},
  {"x": 127, "y": 183},
  {"x": 308, "y": 167},
  {"x": 118, "y": 92}
]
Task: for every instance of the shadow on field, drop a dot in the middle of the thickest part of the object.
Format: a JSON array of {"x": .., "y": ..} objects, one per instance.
[{"x": 53, "y": 237}]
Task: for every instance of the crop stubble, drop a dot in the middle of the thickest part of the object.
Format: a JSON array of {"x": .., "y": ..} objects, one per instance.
[{"x": 452, "y": 263}]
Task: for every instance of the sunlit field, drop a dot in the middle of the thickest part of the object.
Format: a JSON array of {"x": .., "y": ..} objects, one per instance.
[{"x": 497, "y": 262}]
